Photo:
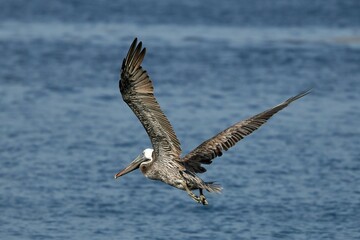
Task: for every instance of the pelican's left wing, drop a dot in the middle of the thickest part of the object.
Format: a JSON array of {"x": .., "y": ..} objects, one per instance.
[
  {"x": 212, "y": 148},
  {"x": 138, "y": 92}
]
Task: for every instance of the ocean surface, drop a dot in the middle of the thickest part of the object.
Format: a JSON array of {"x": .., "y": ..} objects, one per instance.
[{"x": 65, "y": 131}]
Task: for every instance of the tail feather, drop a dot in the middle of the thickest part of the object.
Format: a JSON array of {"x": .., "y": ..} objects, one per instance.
[{"x": 213, "y": 187}]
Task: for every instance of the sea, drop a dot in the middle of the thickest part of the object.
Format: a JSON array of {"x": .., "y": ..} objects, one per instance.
[{"x": 65, "y": 130}]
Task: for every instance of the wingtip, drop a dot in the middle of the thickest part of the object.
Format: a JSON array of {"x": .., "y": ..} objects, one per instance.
[
  {"x": 136, "y": 43},
  {"x": 135, "y": 40},
  {"x": 306, "y": 92},
  {"x": 300, "y": 95}
]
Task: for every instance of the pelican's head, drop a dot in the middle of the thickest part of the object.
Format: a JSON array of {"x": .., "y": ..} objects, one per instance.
[{"x": 144, "y": 158}]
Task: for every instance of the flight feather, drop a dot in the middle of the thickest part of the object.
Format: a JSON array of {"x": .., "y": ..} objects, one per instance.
[
  {"x": 214, "y": 147},
  {"x": 138, "y": 92}
]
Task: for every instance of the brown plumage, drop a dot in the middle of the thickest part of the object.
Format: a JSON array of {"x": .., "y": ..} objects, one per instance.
[
  {"x": 163, "y": 162},
  {"x": 138, "y": 92},
  {"x": 214, "y": 147}
]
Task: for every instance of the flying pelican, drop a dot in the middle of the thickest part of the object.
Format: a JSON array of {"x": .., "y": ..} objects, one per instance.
[{"x": 163, "y": 162}]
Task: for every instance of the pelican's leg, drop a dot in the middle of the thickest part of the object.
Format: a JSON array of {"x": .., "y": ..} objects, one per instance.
[
  {"x": 190, "y": 193},
  {"x": 202, "y": 197}
]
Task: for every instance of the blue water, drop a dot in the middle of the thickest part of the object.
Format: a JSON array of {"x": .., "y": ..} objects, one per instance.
[{"x": 65, "y": 130}]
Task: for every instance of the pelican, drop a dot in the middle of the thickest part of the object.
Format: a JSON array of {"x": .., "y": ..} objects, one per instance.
[{"x": 163, "y": 162}]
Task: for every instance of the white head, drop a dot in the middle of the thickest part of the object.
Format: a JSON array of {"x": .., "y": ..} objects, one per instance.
[
  {"x": 148, "y": 153},
  {"x": 141, "y": 161}
]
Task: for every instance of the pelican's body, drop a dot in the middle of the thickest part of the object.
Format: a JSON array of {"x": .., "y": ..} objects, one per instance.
[
  {"x": 163, "y": 162},
  {"x": 174, "y": 173}
]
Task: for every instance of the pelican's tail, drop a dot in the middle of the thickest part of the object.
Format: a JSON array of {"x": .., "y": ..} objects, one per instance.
[{"x": 213, "y": 187}]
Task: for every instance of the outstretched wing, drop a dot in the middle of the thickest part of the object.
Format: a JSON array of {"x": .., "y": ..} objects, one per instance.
[
  {"x": 214, "y": 147},
  {"x": 138, "y": 92}
]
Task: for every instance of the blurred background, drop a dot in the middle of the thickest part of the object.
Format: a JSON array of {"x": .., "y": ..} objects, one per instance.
[{"x": 65, "y": 131}]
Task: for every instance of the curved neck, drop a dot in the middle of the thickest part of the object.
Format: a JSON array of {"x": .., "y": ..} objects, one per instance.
[{"x": 144, "y": 167}]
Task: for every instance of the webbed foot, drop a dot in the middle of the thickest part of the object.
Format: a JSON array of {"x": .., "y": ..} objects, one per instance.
[
  {"x": 203, "y": 200},
  {"x": 202, "y": 197}
]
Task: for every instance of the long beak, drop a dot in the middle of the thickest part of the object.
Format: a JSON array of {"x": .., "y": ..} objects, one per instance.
[{"x": 132, "y": 166}]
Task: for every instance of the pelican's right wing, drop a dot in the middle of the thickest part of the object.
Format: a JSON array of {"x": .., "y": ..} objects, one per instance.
[
  {"x": 138, "y": 92},
  {"x": 214, "y": 147}
]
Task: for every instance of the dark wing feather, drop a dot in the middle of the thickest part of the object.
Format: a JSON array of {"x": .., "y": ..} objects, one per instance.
[
  {"x": 214, "y": 147},
  {"x": 138, "y": 92}
]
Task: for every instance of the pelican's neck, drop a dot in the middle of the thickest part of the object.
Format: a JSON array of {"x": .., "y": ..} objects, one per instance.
[{"x": 148, "y": 154}]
